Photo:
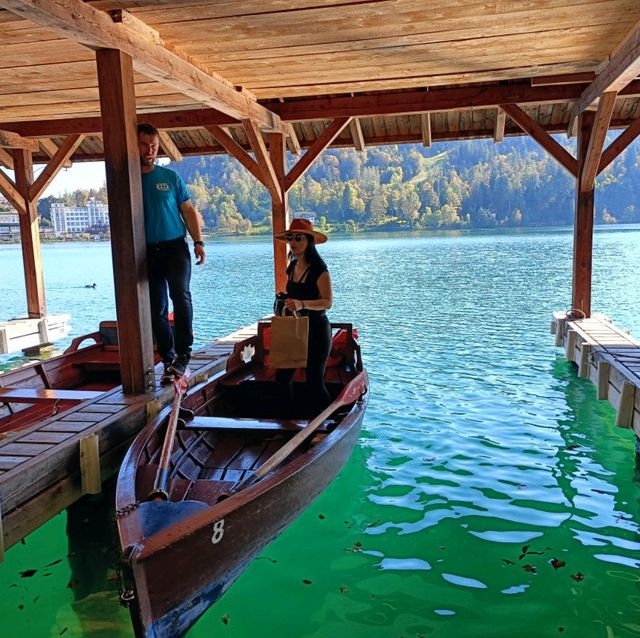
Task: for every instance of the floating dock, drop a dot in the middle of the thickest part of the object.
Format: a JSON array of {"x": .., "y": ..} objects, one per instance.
[
  {"x": 47, "y": 467},
  {"x": 607, "y": 355}
]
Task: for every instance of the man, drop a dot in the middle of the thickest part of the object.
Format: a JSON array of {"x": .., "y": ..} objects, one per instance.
[{"x": 168, "y": 215}]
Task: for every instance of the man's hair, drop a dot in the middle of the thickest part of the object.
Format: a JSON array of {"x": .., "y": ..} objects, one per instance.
[{"x": 144, "y": 128}]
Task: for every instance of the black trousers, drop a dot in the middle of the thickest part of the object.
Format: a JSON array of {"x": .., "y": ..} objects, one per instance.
[
  {"x": 169, "y": 270},
  {"x": 318, "y": 353}
]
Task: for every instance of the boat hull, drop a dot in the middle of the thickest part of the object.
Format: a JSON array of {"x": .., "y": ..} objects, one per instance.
[{"x": 180, "y": 574}]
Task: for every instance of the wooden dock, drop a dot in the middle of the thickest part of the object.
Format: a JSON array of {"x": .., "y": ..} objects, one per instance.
[
  {"x": 607, "y": 355},
  {"x": 49, "y": 466}
]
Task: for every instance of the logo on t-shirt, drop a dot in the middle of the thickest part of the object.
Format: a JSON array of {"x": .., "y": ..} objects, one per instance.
[{"x": 162, "y": 186}]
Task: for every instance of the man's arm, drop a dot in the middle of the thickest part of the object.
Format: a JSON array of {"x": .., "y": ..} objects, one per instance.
[{"x": 192, "y": 222}]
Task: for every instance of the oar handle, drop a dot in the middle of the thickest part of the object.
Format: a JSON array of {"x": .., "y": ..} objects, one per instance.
[
  {"x": 350, "y": 393},
  {"x": 159, "y": 490}
]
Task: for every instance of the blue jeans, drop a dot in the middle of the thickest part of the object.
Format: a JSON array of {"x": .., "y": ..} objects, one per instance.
[{"x": 169, "y": 268}]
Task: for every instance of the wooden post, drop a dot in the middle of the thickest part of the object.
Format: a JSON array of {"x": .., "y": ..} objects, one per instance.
[
  {"x": 583, "y": 224},
  {"x": 559, "y": 331},
  {"x": 279, "y": 210},
  {"x": 571, "y": 345},
  {"x": 30, "y": 235},
  {"x": 583, "y": 368},
  {"x": 126, "y": 218},
  {"x": 90, "y": 464},
  {"x": 603, "y": 380},
  {"x": 624, "y": 418}
]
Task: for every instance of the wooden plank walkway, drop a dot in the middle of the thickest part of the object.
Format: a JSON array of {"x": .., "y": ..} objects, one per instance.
[
  {"x": 41, "y": 472},
  {"x": 610, "y": 357}
]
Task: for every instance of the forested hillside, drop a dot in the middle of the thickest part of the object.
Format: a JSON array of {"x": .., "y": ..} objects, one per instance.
[{"x": 475, "y": 184}]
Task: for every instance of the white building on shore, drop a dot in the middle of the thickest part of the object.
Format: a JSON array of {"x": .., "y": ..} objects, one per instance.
[
  {"x": 9, "y": 224},
  {"x": 71, "y": 220}
]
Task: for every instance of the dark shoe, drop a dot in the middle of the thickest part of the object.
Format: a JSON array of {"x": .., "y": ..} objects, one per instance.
[
  {"x": 179, "y": 365},
  {"x": 167, "y": 376}
]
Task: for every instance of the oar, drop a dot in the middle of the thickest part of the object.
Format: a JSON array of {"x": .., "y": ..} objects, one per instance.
[
  {"x": 350, "y": 393},
  {"x": 159, "y": 491}
]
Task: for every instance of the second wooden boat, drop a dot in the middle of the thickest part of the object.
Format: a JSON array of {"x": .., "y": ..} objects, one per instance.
[
  {"x": 33, "y": 393},
  {"x": 209, "y": 483}
]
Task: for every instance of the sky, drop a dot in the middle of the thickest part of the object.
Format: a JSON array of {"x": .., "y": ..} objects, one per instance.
[{"x": 83, "y": 175}]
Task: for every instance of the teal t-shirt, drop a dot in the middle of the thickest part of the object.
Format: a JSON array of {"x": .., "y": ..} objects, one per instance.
[{"x": 163, "y": 191}]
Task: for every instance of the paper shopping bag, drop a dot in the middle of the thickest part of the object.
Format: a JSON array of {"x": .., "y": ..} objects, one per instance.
[{"x": 289, "y": 342}]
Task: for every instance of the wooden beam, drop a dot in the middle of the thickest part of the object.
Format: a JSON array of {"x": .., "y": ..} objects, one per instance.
[
  {"x": 168, "y": 65},
  {"x": 170, "y": 149},
  {"x": 567, "y": 78},
  {"x": 235, "y": 150},
  {"x": 262, "y": 157},
  {"x": 572, "y": 125},
  {"x": 619, "y": 144},
  {"x": 302, "y": 165},
  {"x": 126, "y": 220},
  {"x": 63, "y": 153},
  {"x": 542, "y": 137},
  {"x": 9, "y": 190},
  {"x": 50, "y": 148},
  {"x": 9, "y": 139},
  {"x": 356, "y": 134},
  {"x": 457, "y": 99},
  {"x": 596, "y": 141},
  {"x": 293, "y": 144},
  {"x": 425, "y": 129},
  {"x": 498, "y": 131},
  {"x": 583, "y": 226},
  {"x": 435, "y": 99},
  {"x": 6, "y": 159},
  {"x": 165, "y": 120},
  {"x": 622, "y": 67},
  {"x": 279, "y": 210},
  {"x": 30, "y": 235}
]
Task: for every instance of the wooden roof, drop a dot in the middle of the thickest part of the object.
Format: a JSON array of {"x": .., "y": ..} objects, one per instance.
[{"x": 406, "y": 70}]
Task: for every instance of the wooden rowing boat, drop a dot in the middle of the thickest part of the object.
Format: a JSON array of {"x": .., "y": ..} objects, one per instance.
[
  {"x": 35, "y": 392},
  {"x": 242, "y": 465}
]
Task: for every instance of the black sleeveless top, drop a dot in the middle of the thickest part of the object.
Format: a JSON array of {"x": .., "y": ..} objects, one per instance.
[{"x": 307, "y": 288}]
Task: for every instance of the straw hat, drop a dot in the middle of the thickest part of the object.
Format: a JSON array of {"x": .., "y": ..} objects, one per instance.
[{"x": 303, "y": 226}]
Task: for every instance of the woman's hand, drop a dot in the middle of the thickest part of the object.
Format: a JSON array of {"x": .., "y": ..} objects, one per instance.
[{"x": 294, "y": 304}]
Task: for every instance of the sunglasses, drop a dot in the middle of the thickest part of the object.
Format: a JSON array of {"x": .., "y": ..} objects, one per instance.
[{"x": 297, "y": 237}]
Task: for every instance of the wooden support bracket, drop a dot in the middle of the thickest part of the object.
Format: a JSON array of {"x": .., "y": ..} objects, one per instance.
[
  {"x": 583, "y": 368},
  {"x": 90, "y": 464},
  {"x": 571, "y": 344},
  {"x": 624, "y": 418},
  {"x": 603, "y": 379},
  {"x": 153, "y": 407},
  {"x": 201, "y": 377}
]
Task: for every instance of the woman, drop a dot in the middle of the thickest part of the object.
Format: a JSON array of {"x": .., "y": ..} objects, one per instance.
[{"x": 309, "y": 294}]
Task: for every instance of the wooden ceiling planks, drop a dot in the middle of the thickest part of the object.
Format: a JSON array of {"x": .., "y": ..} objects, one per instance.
[{"x": 300, "y": 49}]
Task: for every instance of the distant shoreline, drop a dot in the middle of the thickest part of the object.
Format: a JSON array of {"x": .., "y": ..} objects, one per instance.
[
  {"x": 360, "y": 234},
  {"x": 341, "y": 234}
]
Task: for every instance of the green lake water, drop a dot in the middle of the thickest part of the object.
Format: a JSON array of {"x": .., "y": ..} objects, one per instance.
[{"x": 490, "y": 493}]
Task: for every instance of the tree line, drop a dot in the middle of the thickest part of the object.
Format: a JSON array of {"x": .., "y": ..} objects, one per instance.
[{"x": 462, "y": 184}]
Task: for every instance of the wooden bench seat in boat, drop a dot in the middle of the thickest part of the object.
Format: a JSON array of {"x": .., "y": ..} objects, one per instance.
[
  {"x": 231, "y": 423},
  {"x": 39, "y": 395}
]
